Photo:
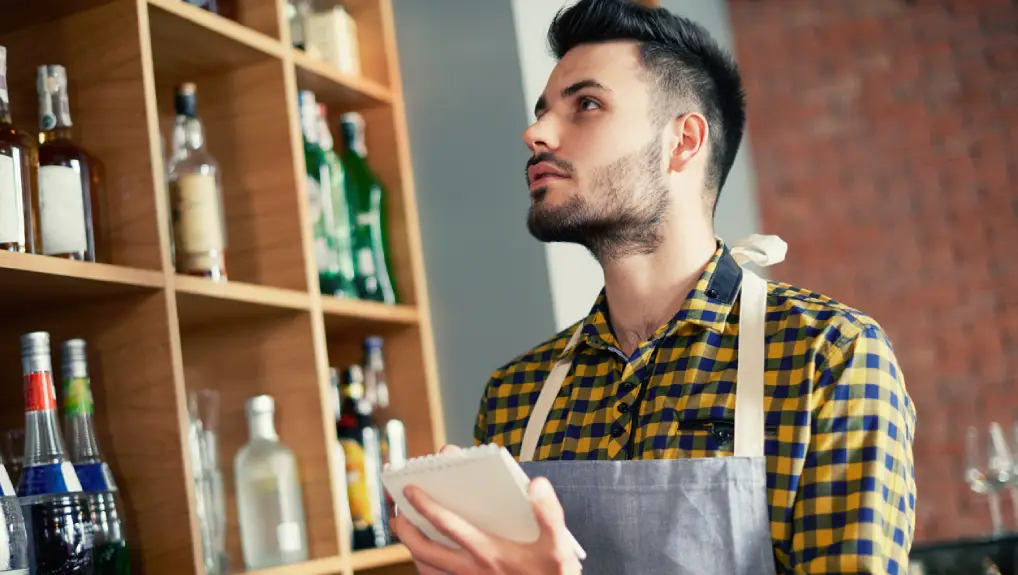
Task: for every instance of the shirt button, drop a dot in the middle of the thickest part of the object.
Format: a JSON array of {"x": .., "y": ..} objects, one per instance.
[
  {"x": 623, "y": 407},
  {"x": 712, "y": 293},
  {"x": 627, "y": 385},
  {"x": 617, "y": 430}
]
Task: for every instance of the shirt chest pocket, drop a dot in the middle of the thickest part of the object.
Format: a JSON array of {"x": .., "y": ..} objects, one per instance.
[{"x": 710, "y": 437}]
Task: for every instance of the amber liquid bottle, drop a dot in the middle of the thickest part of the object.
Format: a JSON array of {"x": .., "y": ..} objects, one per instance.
[
  {"x": 72, "y": 214},
  {"x": 19, "y": 158}
]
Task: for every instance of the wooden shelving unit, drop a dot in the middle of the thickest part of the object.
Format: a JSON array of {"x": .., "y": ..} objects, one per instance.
[{"x": 154, "y": 335}]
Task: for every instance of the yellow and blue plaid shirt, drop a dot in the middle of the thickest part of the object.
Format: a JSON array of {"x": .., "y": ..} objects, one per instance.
[{"x": 839, "y": 422}]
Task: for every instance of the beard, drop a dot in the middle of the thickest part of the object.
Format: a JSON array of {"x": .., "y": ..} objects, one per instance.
[{"x": 621, "y": 214}]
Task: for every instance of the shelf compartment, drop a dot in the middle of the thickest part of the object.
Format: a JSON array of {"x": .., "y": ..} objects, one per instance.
[
  {"x": 212, "y": 42},
  {"x": 19, "y": 14},
  {"x": 100, "y": 48},
  {"x": 202, "y": 303},
  {"x": 327, "y": 566},
  {"x": 335, "y": 88},
  {"x": 136, "y": 417},
  {"x": 30, "y": 279},
  {"x": 273, "y": 356},
  {"x": 244, "y": 109}
]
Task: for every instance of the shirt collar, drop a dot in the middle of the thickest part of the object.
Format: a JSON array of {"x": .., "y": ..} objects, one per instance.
[{"x": 707, "y": 305}]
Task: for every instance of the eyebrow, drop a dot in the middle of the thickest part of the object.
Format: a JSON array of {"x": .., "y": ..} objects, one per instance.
[{"x": 569, "y": 90}]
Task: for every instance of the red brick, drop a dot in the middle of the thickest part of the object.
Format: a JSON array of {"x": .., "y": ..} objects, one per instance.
[{"x": 885, "y": 139}]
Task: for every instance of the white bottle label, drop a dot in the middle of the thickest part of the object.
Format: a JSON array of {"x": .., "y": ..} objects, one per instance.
[
  {"x": 70, "y": 477},
  {"x": 288, "y": 536},
  {"x": 6, "y": 487},
  {"x": 12, "y": 208},
  {"x": 198, "y": 223},
  {"x": 62, "y": 210}
]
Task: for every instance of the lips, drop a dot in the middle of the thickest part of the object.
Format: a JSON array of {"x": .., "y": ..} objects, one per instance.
[{"x": 543, "y": 172}]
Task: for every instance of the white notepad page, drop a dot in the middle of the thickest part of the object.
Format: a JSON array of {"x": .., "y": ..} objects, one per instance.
[{"x": 484, "y": 485}]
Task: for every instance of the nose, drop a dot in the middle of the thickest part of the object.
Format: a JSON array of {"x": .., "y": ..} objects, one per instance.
[{"x": 541, "y": 136}]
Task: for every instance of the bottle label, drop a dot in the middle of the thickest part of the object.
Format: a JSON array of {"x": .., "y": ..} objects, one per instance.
[
  {"x": 366, "y": 262},
  {"x": 47, "y": 479},
  {"x": 77, "y": 396},
  {"x": 288, "y": 536},
  {"x": 357, "y": 486},
  {"x": 62, "y": 207},
  {"x": 12, "y": 207},
  {"x": 95, "y": 477},
  {"x": 39, "y": 393},
  {"x": 198, "y": 220},
  {"x": 6, "y": 487}
]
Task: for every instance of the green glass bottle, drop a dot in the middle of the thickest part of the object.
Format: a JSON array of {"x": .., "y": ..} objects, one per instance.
[
  {"x": 367, "y": 203},
  {"x": 319, "y": 186},
  {"x": 341, "y": 216}
]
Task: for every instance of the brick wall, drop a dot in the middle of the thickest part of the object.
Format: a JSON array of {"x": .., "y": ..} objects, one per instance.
[{"x": 885, "y": 140}]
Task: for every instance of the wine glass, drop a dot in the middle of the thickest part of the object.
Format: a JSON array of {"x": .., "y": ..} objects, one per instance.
[{"x": 989, "y": 471}]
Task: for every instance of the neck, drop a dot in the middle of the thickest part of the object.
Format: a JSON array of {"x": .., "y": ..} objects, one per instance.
[{"x": 645, "y": 291}]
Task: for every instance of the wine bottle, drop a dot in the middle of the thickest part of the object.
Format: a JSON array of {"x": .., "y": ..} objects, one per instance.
[
  {"x": 71, "y": 207},
  {"x": 362, "y": 452},
  {"x": 19, "y": 163},
  {"x": 56, "y": 514},
  {"x": 319, "y": 190},
  {"x": 367, "y": 200},
  {"x": 111, "y": 553},
  {"x": 269, "y": 500},
  {"x": 341, "y": 224},
  {"x": 196, "y": 196}
]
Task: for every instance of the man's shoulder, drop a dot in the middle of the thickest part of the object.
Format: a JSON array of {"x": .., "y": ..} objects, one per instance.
[
  {"x": 536, "y": 361},
  {"x": 819, "y": 316}
]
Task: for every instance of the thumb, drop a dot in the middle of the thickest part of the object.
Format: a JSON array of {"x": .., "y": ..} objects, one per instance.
[
  {"x": 449, "y": 448},
  {"x": 547, "y": 509}
]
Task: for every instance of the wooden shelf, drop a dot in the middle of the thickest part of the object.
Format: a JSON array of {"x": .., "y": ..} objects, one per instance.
[
  {"x": 154, "y": 336},
  {"x": 32, "y": 279},
  {"x": 203, "y": 303},
  {"x": 376, "y": 558},
  {"x": 187, "y": 39},
  {"x": 336, "y": 88},
  {"x": 345, "y": 313}
]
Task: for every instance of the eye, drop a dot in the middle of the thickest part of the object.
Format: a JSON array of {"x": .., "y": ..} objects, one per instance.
[{"x": 587, "y": 104}]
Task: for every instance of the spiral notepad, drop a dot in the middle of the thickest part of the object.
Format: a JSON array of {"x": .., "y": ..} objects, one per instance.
[{"x": 484, "y": 485}]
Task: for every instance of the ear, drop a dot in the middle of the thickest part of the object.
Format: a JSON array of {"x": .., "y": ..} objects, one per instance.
[{"x": 688, "y": 139}]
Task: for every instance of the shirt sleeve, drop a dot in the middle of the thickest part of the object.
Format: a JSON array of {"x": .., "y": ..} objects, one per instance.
[
  {"x": 855, "y": 505},
  {"x": 481, "y": 422}
]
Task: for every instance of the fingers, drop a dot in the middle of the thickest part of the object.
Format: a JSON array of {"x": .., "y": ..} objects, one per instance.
[
  {"x": 448, "y": 523},
  {"x": 432, "y": 558},
  {"x": 448, "y": 449},
  {"x": 547, "y": 509}
]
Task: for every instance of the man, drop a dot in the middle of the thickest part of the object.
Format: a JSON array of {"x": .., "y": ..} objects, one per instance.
[{"x": 685, "y": 357}]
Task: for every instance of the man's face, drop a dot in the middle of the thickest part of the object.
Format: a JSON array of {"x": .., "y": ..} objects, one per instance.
[{"x": 597, "y": 173}]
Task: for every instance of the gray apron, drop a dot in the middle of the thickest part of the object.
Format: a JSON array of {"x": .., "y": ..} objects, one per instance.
[{"x": 704, "y": 516}]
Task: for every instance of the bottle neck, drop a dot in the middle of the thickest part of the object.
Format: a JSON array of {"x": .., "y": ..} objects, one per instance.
[
  {"x": 261, "y": 426},
  {"x": 79, "y": 429},
  {"x": 54, "y": 109},
  {"x": 43, "y": 442},
  {"x": 194, "y": 134},
  {"x": 353, "y": 139},
  {"x": 58, "y": 133}
]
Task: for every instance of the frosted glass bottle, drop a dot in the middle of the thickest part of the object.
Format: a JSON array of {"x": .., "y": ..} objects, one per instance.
[{"x": 269, "y": 501}]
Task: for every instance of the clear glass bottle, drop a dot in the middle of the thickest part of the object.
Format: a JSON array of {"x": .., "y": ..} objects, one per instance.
[
  {"x": 19, "y": 163},
  {"x": 111, "y": 553},
  {"x": 196, "y": 196},
  {"x": 376, "y": 382},
  {"x": 269, "y": 500},
  {"x": 71, "y": 207}
]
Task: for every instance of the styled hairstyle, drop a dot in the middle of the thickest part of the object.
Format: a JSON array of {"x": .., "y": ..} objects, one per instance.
[{"x": 685, "y": 65}]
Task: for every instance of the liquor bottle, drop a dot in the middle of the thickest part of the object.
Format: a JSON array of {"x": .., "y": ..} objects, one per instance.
[
  {"x": 319, "y": 186},
  {"x": 13, "y": 537},
  {"x": 196, "y": 196},
  {"x": 394, "y": 454},
  {"x": 56, "y": 514},
  {"x": 71, "y": 208},
  {"x": 341, "y": 480},
  {"x": 341, "y": 223},
  {"x": 376, "y": 382},
  {"x": 19, "y": 161},
  {"x": 367, "y": 201},
  {"x": 110, "y": 543},
  {"x": 225, "y": 8},
  {"x": 359, "y": 438},
  {"x": 269, "y": 501}
]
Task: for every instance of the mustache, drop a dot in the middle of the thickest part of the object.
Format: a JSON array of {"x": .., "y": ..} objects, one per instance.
[{"x": 552, "y": 159}]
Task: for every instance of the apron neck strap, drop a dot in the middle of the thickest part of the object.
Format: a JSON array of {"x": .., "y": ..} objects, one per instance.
[{"x": 549, "y": 391}]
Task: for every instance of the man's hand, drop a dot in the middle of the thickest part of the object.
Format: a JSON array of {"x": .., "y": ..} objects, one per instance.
[{"x": 482, "y": 553}]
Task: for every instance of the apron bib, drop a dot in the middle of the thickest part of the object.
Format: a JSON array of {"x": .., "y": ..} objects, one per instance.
[{"x": 704, "y": 516}]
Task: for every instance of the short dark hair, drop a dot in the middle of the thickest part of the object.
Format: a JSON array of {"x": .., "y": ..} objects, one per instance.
[{"x": 685, "y": 63}]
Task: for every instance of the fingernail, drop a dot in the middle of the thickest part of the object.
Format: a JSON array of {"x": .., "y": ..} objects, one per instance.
[{"x": 542, "y": 488}]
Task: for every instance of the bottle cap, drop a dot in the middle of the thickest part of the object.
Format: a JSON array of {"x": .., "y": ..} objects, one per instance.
[
  {"x": 260, "y": 404},
  {"x": 373, "y": 341},
  {"x": 74, "y": 358},
  {"x": 185, "y": 101},
  {"x": 35, "y": 354}
]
